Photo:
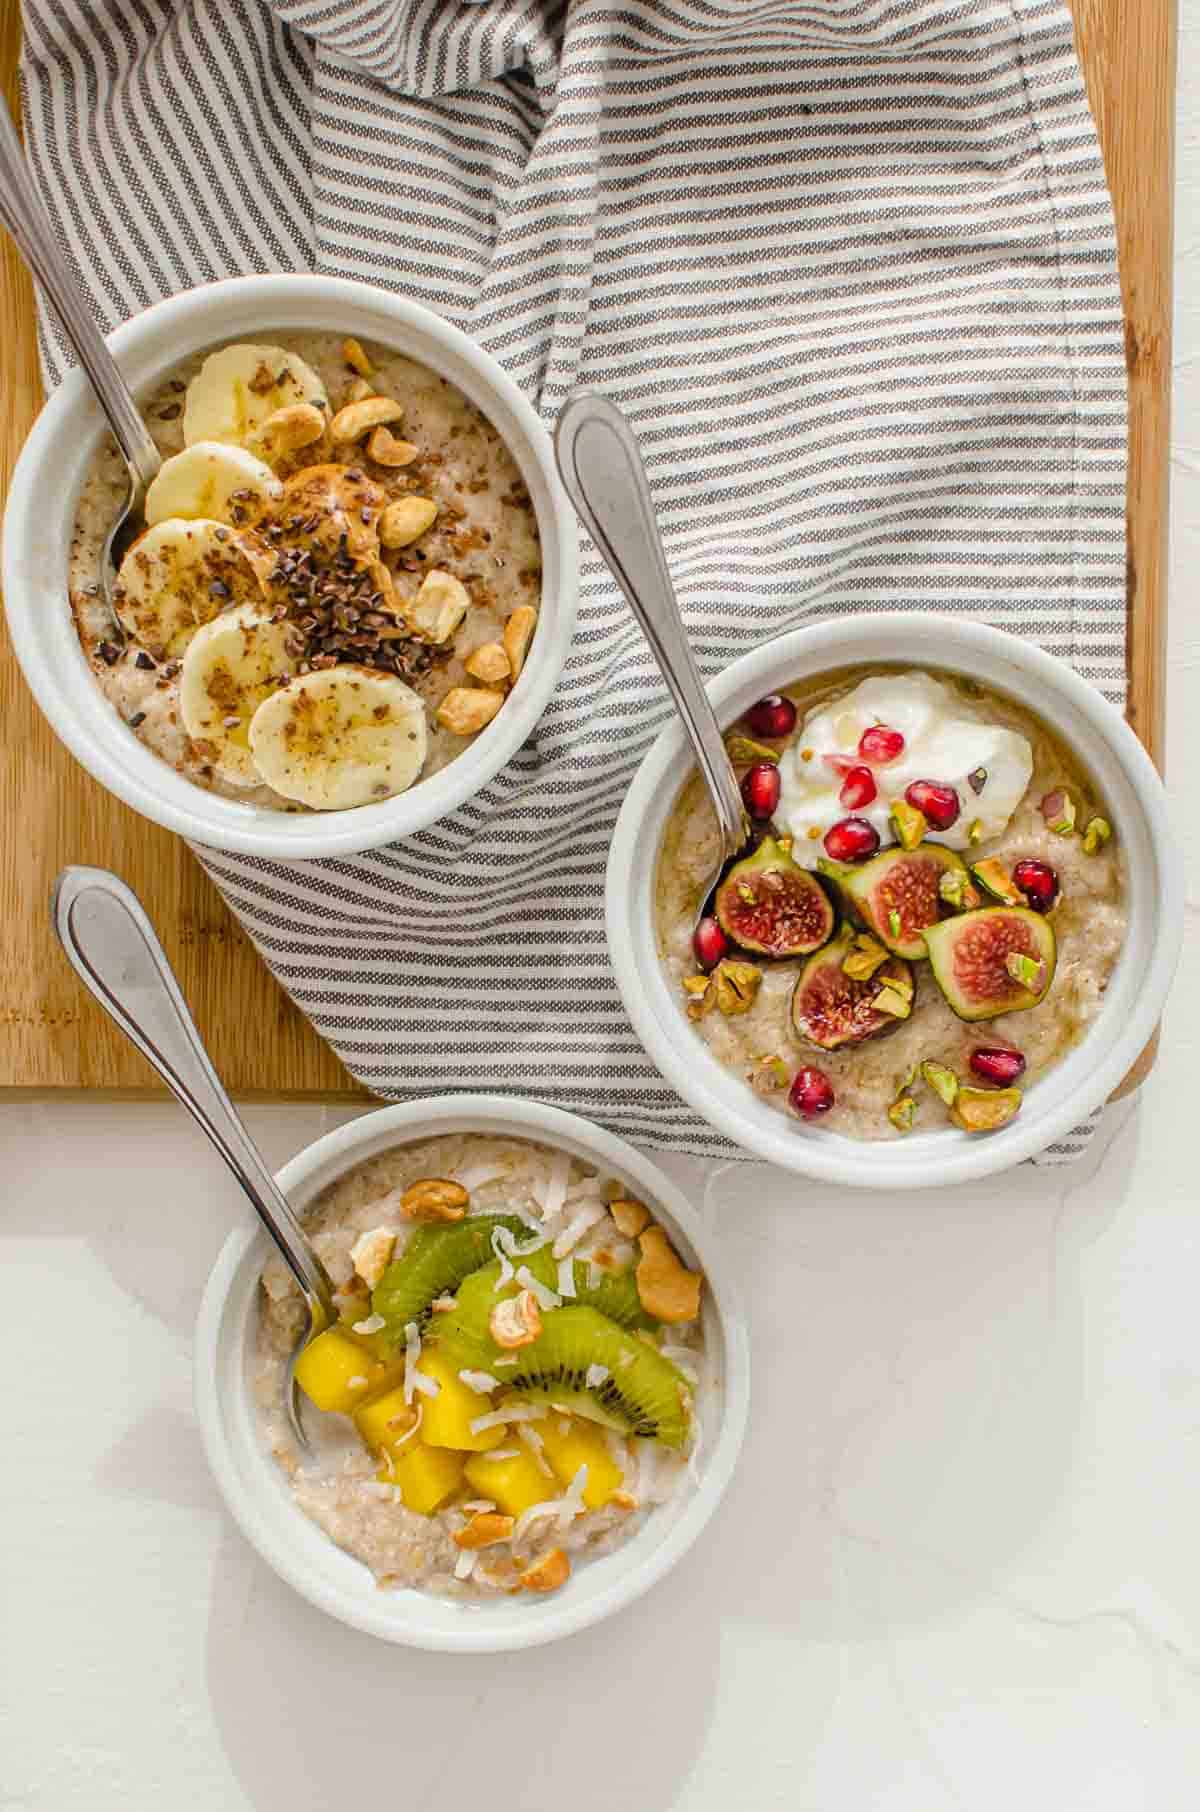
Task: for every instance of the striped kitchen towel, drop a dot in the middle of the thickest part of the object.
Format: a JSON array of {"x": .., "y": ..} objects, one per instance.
[{"x": 849, "y": 267}]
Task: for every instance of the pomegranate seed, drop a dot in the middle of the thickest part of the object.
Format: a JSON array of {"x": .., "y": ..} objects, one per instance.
[
  {"x": 994, "y": 1064},
  {"x": 811, "y": 1093},
  {"x": 939, "y": 804},
  {"x": 772, "y": 716},
  {"x": 851, "y": 840},
  {"x": 1038, "y": 882},
  {"x": 880, "y": 744},
  {"x": 859, "y": 789},
  {"x": 841, "y": 764},
  {"x": 709, "y": 943},
  {"x": 760, "y": 789}
]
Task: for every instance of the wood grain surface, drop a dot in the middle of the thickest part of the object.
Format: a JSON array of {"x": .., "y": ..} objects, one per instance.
[{"x": 52, "y": 1037}]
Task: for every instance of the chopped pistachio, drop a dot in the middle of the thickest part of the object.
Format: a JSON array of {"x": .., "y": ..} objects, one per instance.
[
  {"x": 1058, "y": 809},
  {"x": 894, "y": 923},
  {"x": 899, "y": 984},
  {"x": 736, "y": 985},
  {"x": 745, "y": 893},
  {"x": 909, "y": 824},
  {"x": 941, "y": 1080},
  {"x": 703, "y": 995},
  {"x": 977, "y": 780},
  {"x": 908, "y": 1080},
  {"x": 743, "y": 750},
  {"x": 975, "y": 831},
  {"x": 1097, "y": 834},
  {"x": 952, "y": 886},
  {"x": 1026, "y": 970},
  {"x": 768, "y": 1075},
  {"x": 902, "y": 1113},
  {"x": 985, "y": 1109},
  {"x": 889, "y": 1001},
  {"x": 867, "y": 955}
]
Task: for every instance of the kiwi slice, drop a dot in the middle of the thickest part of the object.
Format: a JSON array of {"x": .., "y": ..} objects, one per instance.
[
  {"x": 434, "y": 1263},
  {"x": 644, "y": 1394}
]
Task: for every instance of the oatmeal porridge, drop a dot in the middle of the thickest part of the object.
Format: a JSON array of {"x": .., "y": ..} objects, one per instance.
[
  {"x": 929, "y": 920},
  {"x": 511, "y": 1386},
  {"x": 338, "y": 582}
]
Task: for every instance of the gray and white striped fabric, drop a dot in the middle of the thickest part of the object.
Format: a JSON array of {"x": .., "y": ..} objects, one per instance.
[{"x": 848, "y": 265}]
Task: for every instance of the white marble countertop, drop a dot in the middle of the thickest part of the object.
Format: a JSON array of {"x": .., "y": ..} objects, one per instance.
[{"x": 958, "y": 1569}]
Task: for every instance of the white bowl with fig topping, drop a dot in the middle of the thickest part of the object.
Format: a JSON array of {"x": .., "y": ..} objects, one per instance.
[
  {"x": 957, "y": 926},
  {"x": 486, "y": 1513},
  {"x": 356, "y": 584}
]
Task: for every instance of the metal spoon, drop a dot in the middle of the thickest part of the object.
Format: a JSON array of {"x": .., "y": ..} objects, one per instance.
[
  {"x": 602, "y": 470},
  {"x": 21, "y": 211},
  {"x": 112, "y": 947}
]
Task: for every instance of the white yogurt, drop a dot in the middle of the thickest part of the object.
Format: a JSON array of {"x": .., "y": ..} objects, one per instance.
[{"x": 940, "y": 744}]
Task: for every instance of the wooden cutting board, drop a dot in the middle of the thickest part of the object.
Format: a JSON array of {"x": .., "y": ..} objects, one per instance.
[{"x": 52, "y": 1037}]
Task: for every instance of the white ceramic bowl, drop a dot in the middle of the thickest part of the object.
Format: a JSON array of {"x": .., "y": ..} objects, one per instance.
[
  {"x": 37, "y": 536},
  {"x": 257, "y": 1492},
  {"x": 1084, "y": 1079}
]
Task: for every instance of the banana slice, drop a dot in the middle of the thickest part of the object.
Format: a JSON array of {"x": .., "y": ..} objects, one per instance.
[
  {"x": 340, "y": 737},
  {"x": 232, "y": 664},
  {"x": 178, "y": 575},
  {"x": 210, "y": 479},
  {"x": 236, "y": 389}
]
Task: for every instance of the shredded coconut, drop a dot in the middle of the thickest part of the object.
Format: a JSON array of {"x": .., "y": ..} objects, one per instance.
[
  {"x": 478, "y": 1506},
  {"x": 556, "y": 1186},
  {"x": 413, "y": 1379},
  {"x": 536, "y": 1446},
  {"x": 515, "y": 1412},
  {"x": 534, "y": 1514},
  {"x": 566, "y": 1277},
  {"x": 577, "y": 1226},
  {"x": 572, "y": 1504},
  {"x": 544, "y": 1297},
  {"x": 371, "y": 1325},
  {"x": 506, "y": 1267},
  {"x": 480, "y": 1382},
  {"x": 597, "y": 1375},
  {"x": 464, "y": 1566},
  {"x": 497, "y": 1363},
  {"x": 478, "y": 1176},
  {"x": 502, "y": 1453},
  {"x": 357, "y": 1382}
]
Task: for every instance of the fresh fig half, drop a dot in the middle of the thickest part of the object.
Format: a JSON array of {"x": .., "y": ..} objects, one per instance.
[
  {"x": 898, "y": 894},
  {"x": 999, "y": 959},
  {"x": 770, "y": 905},
  {"x": 831, "y": 1008}
]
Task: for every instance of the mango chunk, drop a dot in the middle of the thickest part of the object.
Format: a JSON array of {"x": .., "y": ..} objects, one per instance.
[
  {"x": 446, "y": 1419},
  {"x": 337, "y": 1372},
  {"x": 426, "y": 1476},
  {"x": 569, "y": 1443},
  {"x": 384, "y": 1422},
  {"x": 514, "y": 1484}
]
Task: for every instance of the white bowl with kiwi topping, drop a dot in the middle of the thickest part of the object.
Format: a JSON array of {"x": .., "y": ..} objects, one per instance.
[
  {"x": 957, "y": 927},
  {"x": 532, "y": 1401},
  {"x": 355, "y": 586}
]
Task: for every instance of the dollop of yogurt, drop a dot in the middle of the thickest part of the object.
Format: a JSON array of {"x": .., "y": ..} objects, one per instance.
[{"x": 941, "y": 743}]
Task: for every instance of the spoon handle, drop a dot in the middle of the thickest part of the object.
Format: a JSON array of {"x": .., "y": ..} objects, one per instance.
[
  {"x": 22, "y": 212},
  {"x": 112, "y": 947},
  {"x": 602, "y": 470}
]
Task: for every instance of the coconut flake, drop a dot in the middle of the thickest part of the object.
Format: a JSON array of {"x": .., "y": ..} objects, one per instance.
[
  {"x": 497, "y": 1363},
  {"x": 556, "y": 1186},
  {"x": 566, "y": 1277},
  {"x": 413, "y": 1379},
  {"x": 480, "y": 1382},
  {"x": 572, "y": 1503},
  {"x": 478, "y": 1176},
  {"x": 536, "y": 1446},
  {"x": 500, "y": 1418},
  {"x": 506, "y": 1267},
  {"x": 502, "y": 1453},
  {"x": 514, "y": 1248},
  {"x": 597, "y": 1375},
  {"x": 357, "y": 1382},
  {"x": 577, "y": 1226},
  {"x": 534, "y": 1514},
  {"x": 371, "y": 1325},
  {"x": 478, "y": 1506},
  {"x": 464, "y": 1566},
  {"x": 542, "y": 1295}
]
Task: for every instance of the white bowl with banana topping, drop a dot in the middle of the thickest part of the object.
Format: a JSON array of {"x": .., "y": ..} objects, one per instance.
[{"x": 356, "y": 585}]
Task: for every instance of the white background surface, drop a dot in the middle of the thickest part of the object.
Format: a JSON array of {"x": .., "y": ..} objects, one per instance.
[{"x": 958, "y": 1570}]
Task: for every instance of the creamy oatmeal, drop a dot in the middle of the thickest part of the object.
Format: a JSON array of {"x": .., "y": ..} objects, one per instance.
[
  {"x": 930, "y": 922},
  {"x": 512, "y": 1385},
  {"x": 338, "y": 581}
]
